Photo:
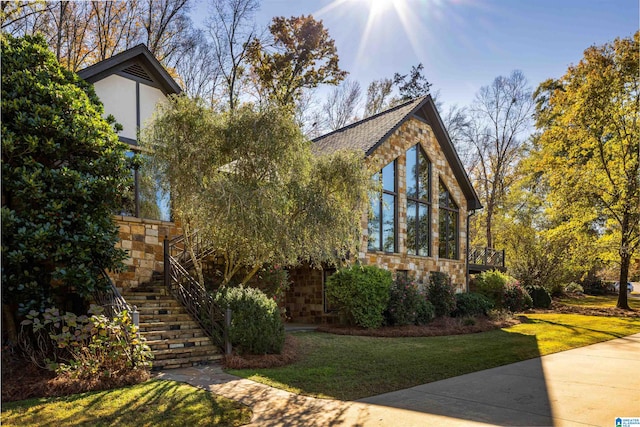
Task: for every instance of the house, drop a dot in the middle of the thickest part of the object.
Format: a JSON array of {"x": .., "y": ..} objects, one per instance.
[
  {"x": 419, "y": 222},
  {"x": 130, "y": 86}
]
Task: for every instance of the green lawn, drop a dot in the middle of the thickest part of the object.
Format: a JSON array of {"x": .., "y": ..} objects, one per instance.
[
  {"x": 598, "y": 301},
  {"x": 153, "y": 403},
  {"x": 349, "y": 367}
]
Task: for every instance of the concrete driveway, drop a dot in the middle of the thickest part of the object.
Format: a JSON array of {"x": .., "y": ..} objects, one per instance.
[{"x": 588, "y": 386}]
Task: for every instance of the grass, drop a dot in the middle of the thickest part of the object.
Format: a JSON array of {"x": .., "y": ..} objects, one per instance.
[
  {"x": 153, "y": 403},
  {"x": 353, "y": 367},
  {"x": 598, "y": 301}
]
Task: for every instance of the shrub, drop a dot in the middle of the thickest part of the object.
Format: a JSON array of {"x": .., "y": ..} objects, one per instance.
[
  {"x": 492, "y": 284},
  {"x": 539, "y": 296},
  {"x": 82, "y": 346},
  {"x": 441, "y": 294},
  {"x": 425, "y": 312},
  {"x": 256, "y": 326},
  {"x": 573, "y": 288},
  {"x": 594, "y": 286},
  {"x": 471, "y": 304},
  {"x": 362, "y": 293},
  {"x": 516, "y": 298},
  {"x": 273, "y": 280},
  {"x": 555, "y": 290},
  {"x": 404, "y": 300}
]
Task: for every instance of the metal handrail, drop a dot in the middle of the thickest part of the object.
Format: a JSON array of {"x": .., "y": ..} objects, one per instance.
[
  {"x": 193, "y": 296},
  {"x": 114, "y": 303}
]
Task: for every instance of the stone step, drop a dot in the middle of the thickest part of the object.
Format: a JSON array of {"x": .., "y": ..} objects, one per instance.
[
  {"x": 184, "y": 362},
  {"x": 178, "y": 353},
  {"x": 132, "y": 299},
  {"x": 149, "y": 311},
  {"x": 165, "y": 318},
  {"x": 167, "y": 326},
  {"x": 145, "y": 292},
  {"x": 172, "y": 335},
  {"x": 167, "y": 303},
  {"x": 165, "y": 344}
]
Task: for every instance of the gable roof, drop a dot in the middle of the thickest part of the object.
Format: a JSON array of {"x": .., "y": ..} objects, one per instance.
[
  {"x": 368, "y": 134},
  {"x": 137, "y": 63}
]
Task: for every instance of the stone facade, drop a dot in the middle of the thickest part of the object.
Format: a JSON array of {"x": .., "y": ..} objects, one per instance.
[
  {"x": 143, "y": 240},
  {"x": 304, "y": 301},
  {"x": 415, "y": 131}
]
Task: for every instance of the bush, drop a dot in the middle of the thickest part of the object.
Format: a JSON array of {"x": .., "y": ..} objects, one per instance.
[
  {"x": 471, "y": 304},
  {"x": 425, "y": 312},
  {"x": 441, "y": 294},
  {"x": 404, "y": 300},
  {"x": 81, "y": 346},
  {"x": 539, "y": 296},
  {"x": 362, "y": 293},
  {"x": 256, "y": 326},
  {"x": 516, "y": 298},
  {"x": 492, "y": 285},
  {"x": 573, "y": 288},
  {"x": 594, "y": 286}
]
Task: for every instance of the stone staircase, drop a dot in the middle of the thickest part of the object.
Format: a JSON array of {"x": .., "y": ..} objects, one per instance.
[{"x": 175, "y": 339}]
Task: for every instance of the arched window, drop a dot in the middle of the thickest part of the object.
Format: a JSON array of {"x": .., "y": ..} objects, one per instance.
[
  {"x": 448, "y": 220},
  {"x": 418, "y": 202},
  {"x": 382, "y": 222}
]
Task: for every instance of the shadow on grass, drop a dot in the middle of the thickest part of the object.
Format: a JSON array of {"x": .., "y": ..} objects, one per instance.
[{"x": 514, "y": 394}]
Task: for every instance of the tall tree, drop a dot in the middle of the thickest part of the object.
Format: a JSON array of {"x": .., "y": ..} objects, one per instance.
[
  {"x": 198, "y": 70},
  {"x": 341, "y": 106},
  {"x": 300, "y": 56},
  {"x": 590, "y": 149},
  {"x": 379, "y": 96},
  {"x": 412, "y": 85},
  {"x": 500, "y": 118},
  {"x": 63, "y": 171},
  {"x": 247, "y": 179},
  {"x": 231, "y": 29}
]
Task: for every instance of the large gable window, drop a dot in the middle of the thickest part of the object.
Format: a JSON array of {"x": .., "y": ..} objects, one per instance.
[
  {"x": 145, "y": 199},
  {"x": 448, "y": 220},
  {"x": 418, "y": 202},
  {"x": 382, "y": 222}
]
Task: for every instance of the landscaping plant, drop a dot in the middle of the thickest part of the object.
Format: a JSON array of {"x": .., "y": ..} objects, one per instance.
[
  {"x": 362, "y": 293},
  {"x": 471, "y": 304},
  {"x": 441, "y": 294},
  {"x": 256, "y": 325},
  {"x": 405, "y": 300}
]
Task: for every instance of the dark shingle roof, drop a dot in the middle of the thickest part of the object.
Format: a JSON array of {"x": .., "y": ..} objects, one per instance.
[
  {"x": 366, "y": 135},
  {"x": 129, "y": 62}
]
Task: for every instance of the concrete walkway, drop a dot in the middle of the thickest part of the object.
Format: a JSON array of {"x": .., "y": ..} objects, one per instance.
[{"x": 588, "y": 386}]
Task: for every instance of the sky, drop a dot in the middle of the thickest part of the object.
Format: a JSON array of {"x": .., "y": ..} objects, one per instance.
[{"x": 463, "y": 44}]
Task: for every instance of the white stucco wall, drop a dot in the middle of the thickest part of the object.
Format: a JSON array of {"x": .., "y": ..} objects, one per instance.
[
  {"x": 149, "y": 98},
  {"x": 118, "y": 94}
]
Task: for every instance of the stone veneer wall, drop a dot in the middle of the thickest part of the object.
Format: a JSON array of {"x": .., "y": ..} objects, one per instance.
[
  {"x": 143, "y": 240},
  {"x": 412, "y": 132},
  {"x": 304, "y": 299},
  {"x": 415, "y": 131}
]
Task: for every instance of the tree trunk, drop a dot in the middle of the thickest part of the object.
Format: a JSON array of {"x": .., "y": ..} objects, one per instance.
[
  {"x": 625, "y": 259},
  {"x": 9, "y": 324}
]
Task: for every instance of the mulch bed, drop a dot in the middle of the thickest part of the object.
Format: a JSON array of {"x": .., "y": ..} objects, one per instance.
[
  {"x": 558, "y": 307},
  {"x": 289, "y": 355},
  {"x": 22, "y": 380}
]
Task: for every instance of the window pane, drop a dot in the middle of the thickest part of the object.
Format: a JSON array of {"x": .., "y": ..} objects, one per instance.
[
  {"x": 424, "y": 177},
  {"x": 389, "y": 177},
  {"x": 374, "y": 224},
  {"x": 412, "y": 183},
  {"x": 442, "y": 231},
  {"x": 453, "y": 235},
  {"x": 423, "y": 230},
  {"x": 154, "y": 202},
  {"x": 443, "y": 198},
  {"x": 389, "y": 223},
  {"x": 411, "y": 228}
]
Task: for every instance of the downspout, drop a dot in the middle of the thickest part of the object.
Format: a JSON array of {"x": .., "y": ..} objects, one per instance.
[{"x": 466, "y": 263}]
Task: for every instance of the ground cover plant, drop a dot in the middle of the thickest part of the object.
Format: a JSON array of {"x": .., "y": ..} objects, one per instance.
[
  {"x": 353, "y": 367},
  {"x": 153, "y": 403}
]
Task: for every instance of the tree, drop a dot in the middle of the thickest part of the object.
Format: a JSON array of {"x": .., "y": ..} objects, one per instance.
[
  {"x": 249, "y": 184},
  {"x": 379, "y": 95},
  {"x": 499, "y": 120},
  {"x": 589, "y": 148},
  {"x": 63, "y": 170},
  {"x": 231, "y": 31},
  {"x": 412, "y": 85},
  {"x": 341, "y": 106},
  {"x": 300, "y": 56}
]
